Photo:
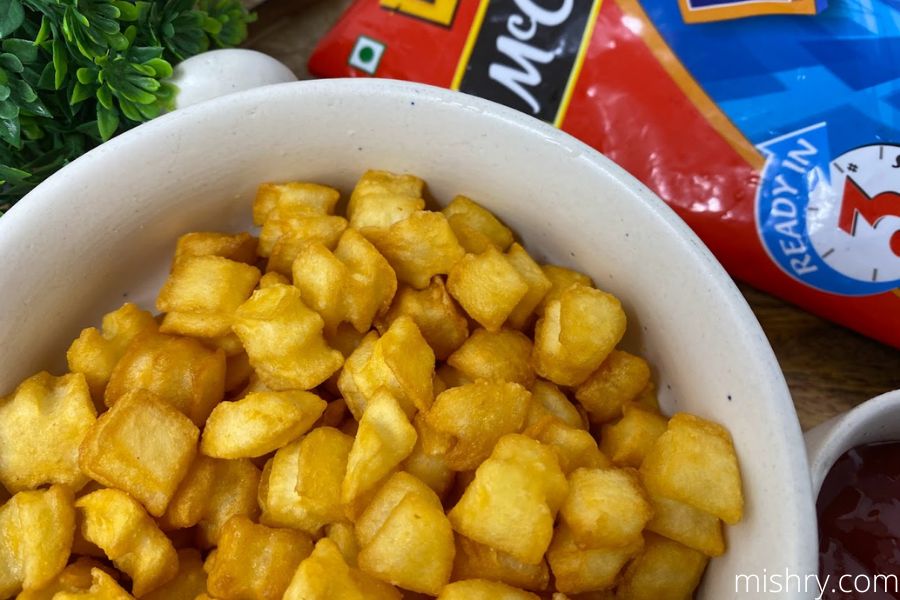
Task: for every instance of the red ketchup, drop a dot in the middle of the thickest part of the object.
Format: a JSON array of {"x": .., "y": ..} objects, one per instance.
[{"x": 859, "y": 524}]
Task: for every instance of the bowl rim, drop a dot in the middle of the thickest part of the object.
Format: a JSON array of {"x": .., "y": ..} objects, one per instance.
[{"x": 27, "y": 214}]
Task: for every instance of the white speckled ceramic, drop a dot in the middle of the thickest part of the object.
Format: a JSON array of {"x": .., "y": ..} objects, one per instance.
[
  {"x": 876, "y": 420},
  {"x": 102, "y": 231}
]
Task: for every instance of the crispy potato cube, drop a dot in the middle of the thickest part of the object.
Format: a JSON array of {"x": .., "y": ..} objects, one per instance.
[
  {"x": 284, "y": 339},
  {"x": 254, "y": 561},
  {"x": 180, "y": 371},
  {"x": 665, "y": 570},
  {"x": 272, "y": 278},
  {"x": 577, "y": 569},
  {"x": 511, "y": 504},
  {"x": 576, "y": 334},
  {"x": 620, "y": 378},
  {"x": 283, "y": 238},
  {"x": 435, "y": 313},
  {"x": 434, "y": 442},
  {"x": 142, "y": 446},
  {"x": 36, "y": 532},
  {"x": 229, "y": 343},
  {"x": 628, "y": 440},
  {"x": 432, "y": 469},
  {"x": 694, "y": 462},
  {"x": 549, "y": 400},
  {"x": 343, "y": 536},
  {"x": 354, "y": 284},
  {"x": 384, "y": 439},
  {"x": 476, "y": 415},
  {"x": 380, "y": 199},
  {"x": 131, "y": 540},
  {"x": 295, "y": 197},
  {"x": 259, "y": 423},
  {"x": 188, "y": 583},
  {"x": 487, "y": 286},
  {"x": 561, "y": 279},
  {"x": 400, "y": 361},
  {"x": 281, "y": 505},
  {"x": 477, "y": 561},
  {"x": 102, "y": 587},
  {"x": 647, "y": 400},
  {"x": 96, "y": 352},
  {"x": 450, "y": 377},
  {"x": 212, "y": 492},
  {"x": 503, "y": 355},
  {"x": 42, "y": 425},
  {"x": 606, "y": 507},
  {"x": 418, "y": 247},
  {"x": 687, "y": 525},
  {"x": 405, "y": 538},
  {"x": 202, "y": 294},
  {"x": 76, "y": 577},
  {"x": 321, "y": 467},
  {"x": 325, "y": 575},
  {"x": 240, "y": 247},
  {"x": 575, "y": 448},
  {"x": 482, "y": 589},
  {"x": 538, "y": 286},
  {"x": 475, "y": 226}
]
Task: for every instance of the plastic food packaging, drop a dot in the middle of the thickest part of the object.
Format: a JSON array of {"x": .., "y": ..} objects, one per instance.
[{"x": 775, "y": 137}]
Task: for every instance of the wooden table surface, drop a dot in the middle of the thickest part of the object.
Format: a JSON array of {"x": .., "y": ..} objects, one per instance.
[{"x": 829, "y": 369}]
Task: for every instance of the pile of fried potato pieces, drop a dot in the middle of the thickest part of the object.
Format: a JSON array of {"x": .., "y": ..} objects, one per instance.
[{"x": 399, "y": 403}]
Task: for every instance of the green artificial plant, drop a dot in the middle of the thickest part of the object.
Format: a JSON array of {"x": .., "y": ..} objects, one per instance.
[{"x": 74, "y": 73}]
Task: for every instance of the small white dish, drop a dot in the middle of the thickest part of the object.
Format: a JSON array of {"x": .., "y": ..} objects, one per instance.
[{"x": 875, "y": 420}]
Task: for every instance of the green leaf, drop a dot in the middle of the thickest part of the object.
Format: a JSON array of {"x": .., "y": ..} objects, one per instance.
[
  {"x": 80, "y": 93},
  {"x": 60, "y": 63},
  {"x": 44, "y": 32},
  {"x": 107, "y": 122},
  {"x": 161, "y": 68},
  {"x": 10, "y": 132},
  {"x": 4, "y": 92},
  {"x": 127, "y": 10},
  {"x": 8, "y": 110},
  {"x": 27, "y": 52},
  {"x": 104, "y": 97},
  {"x": 8, "y": 173},
  {"x": 85, "y": 75},
  {"x": 11, "y": 62},
  {"x": 47, "y": 79},
  {"x": 11, "y": 17},
  {"x": 22, "y": 91},
  {"x": 130, "y": 111}
]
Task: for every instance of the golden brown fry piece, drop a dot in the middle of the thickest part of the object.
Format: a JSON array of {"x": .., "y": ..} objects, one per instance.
[
  {"x": 284, "y": 339},
  {"x": 325, "y": 575},
  {"x": 202, "y": 294},
  {"x": 36, "y": 532},
  {"x": 576, "y": 334},
  {"x": 76, "y": 577},
  {"x": 503, "y": 355},
  {"x": 512, "y": 503},
  {"x": 102, "y": 587},
  {"x": 475, "y": 416},
  {"x": 405, "y": 538},
  {"x": 628, "y": 440},
  {"x": 180, "y": 371},
  {"x": 259, "y": 423},
  {"x": 255, "y": 562},
  {"x": 548, "y": 399},
  {"x": 606, "y": 508},
  {"x": 578, "y": 569},
  {"x": 321, "y": 468},
  {"x": 439, "y": 319},
  {"x": 142, "y": 446},
  {"x": 538, "y": 286},
  {"x": 295, "y": 197},
  {"x": 42, "y": 425},
  {"x": 96, "y": 352},
  {"x": 687, "y": 525},
  {"x": 665, "y": 569},
  {"x": 487, "y": 286},
  {"x": 131, "y": 540},
  {"x": 694, "y": 462},
  {"x": 240, "y": 247},
  {"x": 561, "y": 279},
  {"x": 475, "y": 226},
  {"x": 281, "y": 505},
  {"x": 620, "y": 378},
  {"x": 380, "y": 199}
]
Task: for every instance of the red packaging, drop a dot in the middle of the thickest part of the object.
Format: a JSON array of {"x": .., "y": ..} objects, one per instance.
[{"x": 608, "y": 75}]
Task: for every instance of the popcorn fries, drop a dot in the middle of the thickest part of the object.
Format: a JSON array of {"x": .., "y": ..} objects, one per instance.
[{"x": 408, "y": 388}]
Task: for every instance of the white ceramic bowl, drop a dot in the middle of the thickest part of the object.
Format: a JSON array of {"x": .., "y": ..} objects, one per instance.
[
  {"x": 102, "y": 231},
  {"x": 876, "y": 420}
]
